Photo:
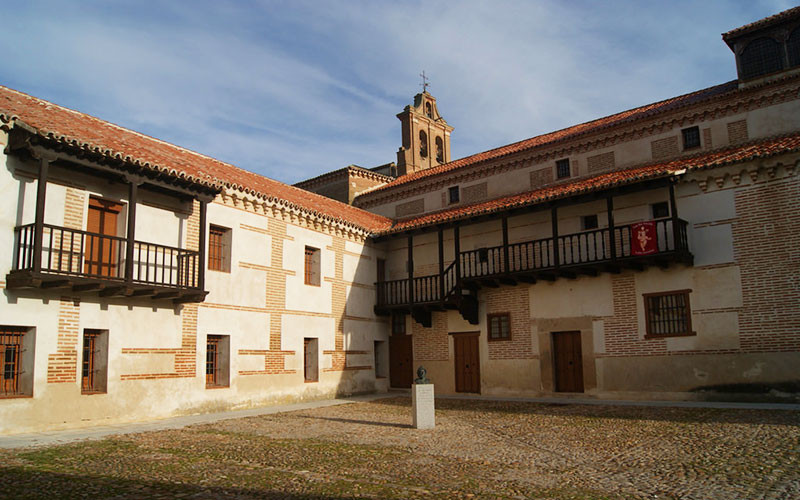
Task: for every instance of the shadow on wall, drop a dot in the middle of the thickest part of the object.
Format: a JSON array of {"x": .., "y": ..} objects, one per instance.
[{"x": 472, "y": 409}]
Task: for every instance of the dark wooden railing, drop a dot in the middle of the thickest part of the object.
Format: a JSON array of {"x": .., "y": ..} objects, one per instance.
[
  {"x": 73, "y": 252},
  {"x": 574, "y": 250}
]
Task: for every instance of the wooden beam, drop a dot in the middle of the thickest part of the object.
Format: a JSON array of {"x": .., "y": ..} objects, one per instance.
[
  {"x": 115, "y": 291},
  {"x": 410, "y": 270},
  {"x": 554, "y": 220},
  {"x": 88, "y": 287},
  {"x": 441, "y": 264},
  {"x": 65, "y": 283},
  {"x": 38, "y": 231},
  {"x": 133, "y": 190},
  {"x": 506, "y": 267},
  {"x": 201, "y": 264},
  {"x": 457, "y": 249},
  {"x": 612, "y": 237}
]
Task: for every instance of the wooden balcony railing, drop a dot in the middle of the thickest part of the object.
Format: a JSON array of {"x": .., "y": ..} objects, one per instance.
[
  {"x": 73, "y": 252},
  {"x": 586, "y": 249}
]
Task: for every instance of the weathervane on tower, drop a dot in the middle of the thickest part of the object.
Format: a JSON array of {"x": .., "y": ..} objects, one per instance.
[{"x": 424, "y": 83}]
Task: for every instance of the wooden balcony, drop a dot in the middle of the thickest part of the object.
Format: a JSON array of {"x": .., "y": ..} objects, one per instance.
[
  {"x": 84, "y": 262},
  {"x": 658, "y": 242}
]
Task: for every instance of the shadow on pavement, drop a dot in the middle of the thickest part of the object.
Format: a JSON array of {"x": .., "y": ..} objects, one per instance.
[
  {"x": 21, "y": 483},
  {"x": 570, "y": 409},
  {"x": 354, "y": 421}
]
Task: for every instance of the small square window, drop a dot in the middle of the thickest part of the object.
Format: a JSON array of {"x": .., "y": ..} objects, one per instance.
[
  {"x": 499, "y": 326},
  {"x": 691, "y": 137},
  {"x": 660, "y": 210},
  {"x": 668, "y": 314},
  {"x": 562, "y": 169},
  {"x": 219, "y": 248},
  {"x": 217, "y": 361},
  {"x": 589, "y": 222},
  {"x": 398, "y": 324},
  {"x": 311, "y": 266},
  {"x": 453, "y": 195}
]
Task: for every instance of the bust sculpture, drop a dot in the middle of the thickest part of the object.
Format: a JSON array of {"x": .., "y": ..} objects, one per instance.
[{"x": 422, "y": 376}]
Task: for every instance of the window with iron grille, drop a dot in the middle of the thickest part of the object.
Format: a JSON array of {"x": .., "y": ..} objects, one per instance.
[
  {"x": 94, "y": 361},
  {"x": 691, "y": 137},
  {"x": 11, "y": 373},
  {"x": 499, "y": 326},
  {"x": 219, "y": 248},
  {"x": 217, "y": 361},
  {"x": 312, "y": 266},
  {"x": 762, "y": 56},
  {"x": 668, "y": 314},
  {"x": 562, "y": 169}
]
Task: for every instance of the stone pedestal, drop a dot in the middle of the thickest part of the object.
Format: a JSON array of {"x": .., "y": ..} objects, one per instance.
[{"x": 422, "y": 406}]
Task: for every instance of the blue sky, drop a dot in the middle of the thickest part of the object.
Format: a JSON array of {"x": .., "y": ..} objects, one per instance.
[{"x": 292, "y": 89}]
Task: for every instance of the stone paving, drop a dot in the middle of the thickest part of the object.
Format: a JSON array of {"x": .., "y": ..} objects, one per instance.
[{"x": 479, "y": 449}]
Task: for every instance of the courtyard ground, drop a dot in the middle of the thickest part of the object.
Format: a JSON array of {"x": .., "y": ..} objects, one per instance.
[{"x": 479, "y": 449}]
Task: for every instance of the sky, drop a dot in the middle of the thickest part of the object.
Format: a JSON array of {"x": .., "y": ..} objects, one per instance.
[{"x": 293, "y": 89}]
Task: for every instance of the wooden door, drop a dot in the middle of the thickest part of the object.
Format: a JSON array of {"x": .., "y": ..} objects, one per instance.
[
  {"x": 401, "y": 361},
  {"x": 467, "y": 362},
  {"x": 101, "y": 253},
  {"x": 568, "y": 361}
]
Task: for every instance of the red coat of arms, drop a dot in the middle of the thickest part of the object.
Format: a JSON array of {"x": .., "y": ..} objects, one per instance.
[{"x": 644, "y": 240}]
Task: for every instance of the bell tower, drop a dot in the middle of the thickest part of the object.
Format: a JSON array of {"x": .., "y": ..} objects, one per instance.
[{"x": 426, "y": 136}]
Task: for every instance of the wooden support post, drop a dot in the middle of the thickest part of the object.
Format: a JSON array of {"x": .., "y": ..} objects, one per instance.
[
  {"x": 673, "y": 208},
  {"x": 457, "y": 250},
  {"x": 38, "y": 228},
  {"x": 506, "y": 267},
  {"x": 201, "y": 247},
  {"x": 410, "y": 270},
  {"x": 554, "y": 216},
  {"x": 133, "y": 191},
  {"x": 441, "y": 264},
  {"x": 612, "y": 244}
]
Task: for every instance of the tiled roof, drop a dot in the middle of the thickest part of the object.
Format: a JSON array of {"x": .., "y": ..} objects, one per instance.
[
  {"x": 780, "y": 16},
  {"x": 756, "y": 149},
  {"x": 89, "y": 133},
  {"x": 564, "y": 134}
]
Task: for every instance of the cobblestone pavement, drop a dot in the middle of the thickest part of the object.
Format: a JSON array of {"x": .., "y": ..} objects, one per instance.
[{"x": 479, "y": 449}]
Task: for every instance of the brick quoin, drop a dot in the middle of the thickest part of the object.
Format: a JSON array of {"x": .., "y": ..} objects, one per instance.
[
  {"x": 62, "y": 367},
  {"x": 516, "y": 302}
]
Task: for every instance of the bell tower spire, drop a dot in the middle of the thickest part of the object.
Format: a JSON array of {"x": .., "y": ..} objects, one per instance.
[{"x": 425, "y": 134}]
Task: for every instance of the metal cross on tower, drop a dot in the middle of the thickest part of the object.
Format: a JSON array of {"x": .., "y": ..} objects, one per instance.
[{"x": 424, "y": 83}]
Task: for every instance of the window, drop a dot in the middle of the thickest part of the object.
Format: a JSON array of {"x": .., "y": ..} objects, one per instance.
[
  {"x": 423, "y": 144},
  {"x": 589, "y": 222},
  {"x": 668, "y": 314},
  {"x": 380, "y": 357},
  {"x": 428, "y": 110},
  {"x": 312, "y": 266},
  {"x": 310, "y": 360},
  {"x": 453, "y": 195},
  {"x": 499, "y": 326},
  {"x": 691, "y": 138},
  {"x": 439, "y": 150},
  {"x": 398, "y": 324},
  {"x": 793, "y": 48},
  {"x": 94, "y": 363},
  {"x": 16, "y": 355},
  {"x": 219, "y": 249},
  {"x": 562, "y": 169},
  {"x": 660, "y": 210},
  {"x": 217, "y": 361},
  {"x": 761, "y": 57}
]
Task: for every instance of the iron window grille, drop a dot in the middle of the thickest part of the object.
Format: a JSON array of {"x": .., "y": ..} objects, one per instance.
[
  {"x": 691, "y": 137},
  {"x": 453, "y": 195},
  {"x": 213, "y": 365},
  {"x": 90, "y": 365},
  {"x": 218, "y": 250},
  {"x": 11, "y": 346},
  {"x": 668, "y": 314},
  {"x": 761, "y": 57}
]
